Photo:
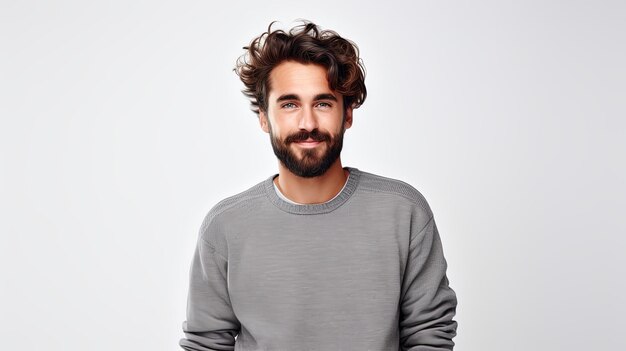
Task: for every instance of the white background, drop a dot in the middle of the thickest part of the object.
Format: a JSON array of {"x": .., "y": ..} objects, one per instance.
[{"x": 122, "y": 124}]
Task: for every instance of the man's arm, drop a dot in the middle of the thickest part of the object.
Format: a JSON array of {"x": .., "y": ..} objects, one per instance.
[
  {"x": 211, "y": 323},
  {"x": 428, "y": 304}
]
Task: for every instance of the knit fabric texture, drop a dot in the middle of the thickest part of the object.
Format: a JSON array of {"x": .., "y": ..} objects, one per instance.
[{"x": 362, "y": 271}]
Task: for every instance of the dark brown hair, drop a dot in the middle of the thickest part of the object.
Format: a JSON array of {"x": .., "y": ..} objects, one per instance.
[{"x": 305, "y": 43}]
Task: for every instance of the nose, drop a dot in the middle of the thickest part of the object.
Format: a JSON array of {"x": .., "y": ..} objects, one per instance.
[{"x": 308, "y": 119}]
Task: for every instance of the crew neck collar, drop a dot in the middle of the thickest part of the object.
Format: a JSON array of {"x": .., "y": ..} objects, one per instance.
[{"x": 343, "y": 196}]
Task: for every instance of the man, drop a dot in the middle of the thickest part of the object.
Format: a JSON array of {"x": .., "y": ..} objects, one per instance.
[{"x": 318, "y": 256}]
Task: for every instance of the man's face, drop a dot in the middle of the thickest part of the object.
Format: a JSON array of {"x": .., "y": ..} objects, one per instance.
[{"x": 305, "y": 118}]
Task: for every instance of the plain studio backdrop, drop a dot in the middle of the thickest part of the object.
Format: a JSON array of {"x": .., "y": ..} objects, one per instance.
[{"x": 123, "y": 124}]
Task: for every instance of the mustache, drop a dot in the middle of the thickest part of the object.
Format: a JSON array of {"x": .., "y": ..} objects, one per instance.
[{"x": 304, "y": 135}]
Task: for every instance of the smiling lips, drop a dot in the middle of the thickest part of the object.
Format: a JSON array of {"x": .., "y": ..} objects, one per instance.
[{"x": 308, "y": 143}]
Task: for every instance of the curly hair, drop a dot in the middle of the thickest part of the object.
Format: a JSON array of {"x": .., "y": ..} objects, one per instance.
[{"x": 305, "y": 43}]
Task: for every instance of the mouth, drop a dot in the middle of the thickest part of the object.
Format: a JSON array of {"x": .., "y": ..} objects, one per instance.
[{"x": 308, "y": 143}]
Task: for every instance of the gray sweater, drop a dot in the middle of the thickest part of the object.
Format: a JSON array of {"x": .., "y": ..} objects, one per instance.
[{"x": 363, "y": 271}]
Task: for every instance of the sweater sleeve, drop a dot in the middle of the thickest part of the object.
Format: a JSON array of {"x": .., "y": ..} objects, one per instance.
[
  {"x": 211, "y": 323},
  {"x": 427, "y": 304}
]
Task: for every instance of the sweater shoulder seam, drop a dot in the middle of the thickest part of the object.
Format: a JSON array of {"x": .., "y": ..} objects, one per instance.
[
  {"x": 222, "y": 207},
  {"x": 406, "y": 197},
  {"x": 213, "y": 249},
  {"x": 421, "y": 230}
]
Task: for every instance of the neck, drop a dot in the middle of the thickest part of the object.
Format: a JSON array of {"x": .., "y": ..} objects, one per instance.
[{"x": 311, "y": 190}]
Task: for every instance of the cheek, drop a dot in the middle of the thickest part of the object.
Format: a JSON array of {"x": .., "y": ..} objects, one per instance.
[
  {"x": 277, "y": 133},
  {"x": 283, "y": 127}
]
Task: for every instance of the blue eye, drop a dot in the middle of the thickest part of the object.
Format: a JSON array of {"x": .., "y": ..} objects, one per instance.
[
  {"x": 289, "y": 105},
  {"x": 324, "y": 104}
]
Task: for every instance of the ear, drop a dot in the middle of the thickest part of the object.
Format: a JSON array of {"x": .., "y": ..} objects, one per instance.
[
  {"x": 263, "y": 121},
  {"x": 348, "y": 122}
]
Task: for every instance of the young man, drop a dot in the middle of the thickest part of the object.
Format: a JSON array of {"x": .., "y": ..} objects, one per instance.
[{"x": 318, "y": 256}]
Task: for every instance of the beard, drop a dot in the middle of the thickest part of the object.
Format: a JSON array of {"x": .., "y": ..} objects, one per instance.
[{"x": 311, "y": 164}]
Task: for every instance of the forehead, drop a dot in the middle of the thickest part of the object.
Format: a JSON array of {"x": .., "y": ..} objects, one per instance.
[{"x": 291, "y": 77}]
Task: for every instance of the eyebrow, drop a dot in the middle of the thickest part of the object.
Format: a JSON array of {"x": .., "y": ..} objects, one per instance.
[{"x": 317, "y": 97}]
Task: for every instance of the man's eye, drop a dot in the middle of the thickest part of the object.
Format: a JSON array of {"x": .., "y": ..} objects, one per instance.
[
  {"x": 289, "y": 105},
  {"x": 324, "y": 104}
]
